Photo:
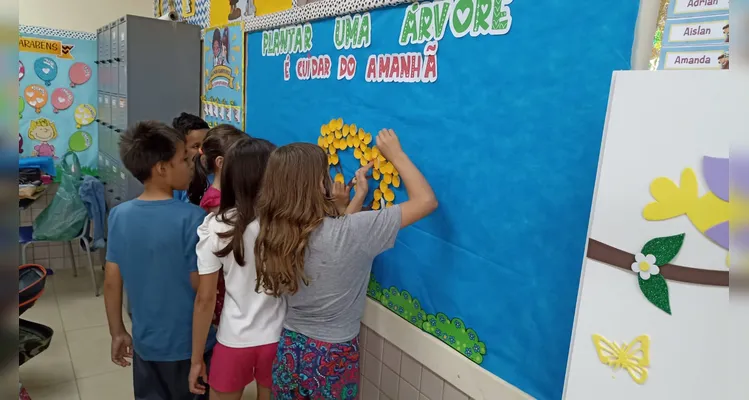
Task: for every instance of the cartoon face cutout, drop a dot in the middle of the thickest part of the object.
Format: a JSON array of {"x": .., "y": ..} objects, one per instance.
[{"x": 43, "y": 133}]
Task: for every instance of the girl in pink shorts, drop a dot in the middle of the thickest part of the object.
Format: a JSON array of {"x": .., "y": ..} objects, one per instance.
[{"x": 251, "y": 322}]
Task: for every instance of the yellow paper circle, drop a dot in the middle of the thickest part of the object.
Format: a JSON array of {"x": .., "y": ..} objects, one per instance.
[
  {"x": 324, "y": 130},
  {"x": 362, "y": 134},
  {"x": 349, "y": 141},
  {"x": 377, "y": 194},
  {"x": 388, "y": 194},
  {"x": 376, "y": 174},
  {"x": 330, "y": 139},
  {"x": 396, "y": 181},
  {"x": 363, "y": 161},
  {"x": 368, "y": 155},
  {"x": 338, "y": 134},
  {"x": 355, "y": 140},
  {"x": 322, "y": 142},
  {"x": 368, "y": 138},
  {"x": 339, "y": 178},
  {"x": 383, "y": 186},
  {"x": 375, "y": 152},
  {"x": 333, "y": 159},
  {"x": 388, "y": 168},
  {"x": 357, "y": 154},
  {"x": 345, "y": 130},
  {"x": 332, "y": 151},
  {"x": 387, "y": 178},
  {"x": 339, "y": 123},
  {"x": 376, "y": 205}
]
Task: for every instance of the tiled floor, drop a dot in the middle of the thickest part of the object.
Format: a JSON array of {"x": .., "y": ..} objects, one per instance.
[{"x": 77, "y": 364}]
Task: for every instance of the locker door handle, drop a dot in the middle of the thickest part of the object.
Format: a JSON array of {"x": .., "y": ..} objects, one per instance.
[
  {"x": 110, "y": 190},
  {"x": 103, "y": 123},
  {"x": 118, "y": 198},
  {"x": 118, "y": 130},
  {"x": 97, "y": 120},
  {"x": 110, "y": 126},
  {"x": 117, "y": 59},
  {"x": 96, "y": 62}
]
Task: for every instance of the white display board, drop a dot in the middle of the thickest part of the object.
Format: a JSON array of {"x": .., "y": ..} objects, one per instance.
[{"x": 658, "y": 125}]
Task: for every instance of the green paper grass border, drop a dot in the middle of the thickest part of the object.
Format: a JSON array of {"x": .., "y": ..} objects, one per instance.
[{"x": 451, "y": 331}]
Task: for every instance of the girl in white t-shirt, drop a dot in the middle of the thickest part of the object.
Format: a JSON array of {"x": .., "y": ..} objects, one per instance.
[{"x": 251, "y": 322}]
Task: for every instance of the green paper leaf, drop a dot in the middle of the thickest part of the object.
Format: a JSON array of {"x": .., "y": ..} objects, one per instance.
[
  {"x": 664, "y": 248},
  {"x": 655, "y": 290}
]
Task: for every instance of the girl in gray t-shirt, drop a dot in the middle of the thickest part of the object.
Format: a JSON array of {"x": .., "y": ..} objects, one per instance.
[{"x": 318, "y": 254}]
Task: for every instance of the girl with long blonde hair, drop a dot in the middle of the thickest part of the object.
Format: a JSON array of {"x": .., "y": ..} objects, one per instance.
[{"x": 320, "y": 261}]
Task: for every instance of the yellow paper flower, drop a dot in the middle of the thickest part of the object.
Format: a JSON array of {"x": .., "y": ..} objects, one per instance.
[
  {"x": 355, "y": 140},
  {"x": 338, "y": 134},
  {"x": 339, "y": 123},
  {"x": 396, "y": 181},
  {"x": 387, "y": 178},
  {"x": 368, "y": 155},
  {"x": 377, "y": 195},
  {"x": 345, "y": 130},
  {"x": 376, "y": 174},
  {"x": 330, "y": 139},
  {"x": 333, "y": 159},
  {"x": 357, "y": 153},
  {"x": 362, "y": 134},
  {"x": 375, "y": 152},
  {"x": 363, "y": 161},
  {"x": 388, "y": 168},
  {"x": 363, "y": 146},
  {"x": 322, "y": 142},
  {"x": 324, "y": 130},
  {"x": 368, "y": 138},
  {"x": 353, "y": 127},
  {"x": 332, "y": 151}
]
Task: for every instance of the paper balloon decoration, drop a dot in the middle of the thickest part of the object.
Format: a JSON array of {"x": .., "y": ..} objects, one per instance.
[
  {"x": 79, "y": 74},
  {"x": 80, "y": 141},
  {"x": 21, "y": 70},
  {"x": 36, "y": 96},
  {"x": 21, "y": 107},
  {"x": 84, "y": 115},
  {"x": 62, "y": 98},
  {"x": 46, "y": 69}
]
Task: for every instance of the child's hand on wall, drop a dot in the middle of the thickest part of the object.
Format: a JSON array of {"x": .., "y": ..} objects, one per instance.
[
  {"x": 388, "y": 143},
  {"x": 360, "y": 180},
  {"x": 341, "y": 195}
]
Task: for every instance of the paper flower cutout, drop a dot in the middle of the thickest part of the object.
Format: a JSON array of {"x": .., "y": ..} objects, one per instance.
[
  {"x": 660, "y": 251},
  {"x": 633, "y": 357},
  {"x": 645, "y": 266},
  {"x": 337, "y": 136}
]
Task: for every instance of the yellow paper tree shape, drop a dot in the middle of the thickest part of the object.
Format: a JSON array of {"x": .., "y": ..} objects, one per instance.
[
  {"x": 633, "y": 357},
  {"x": 336, "y": 136}
]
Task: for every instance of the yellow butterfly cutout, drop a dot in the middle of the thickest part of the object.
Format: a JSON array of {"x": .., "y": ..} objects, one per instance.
[{"x": 633, "y": 357}]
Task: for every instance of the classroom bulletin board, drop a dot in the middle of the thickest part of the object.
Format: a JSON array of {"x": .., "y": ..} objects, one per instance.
[
  {"x": 501, "y": 104},
  {"x": 57, "y": 95},
  {"x": 223, "y": 75}
]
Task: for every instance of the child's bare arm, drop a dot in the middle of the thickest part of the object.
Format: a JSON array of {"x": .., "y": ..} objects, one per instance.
[
  {"x": 194, "y": 280},
  {"x": 421, "y": 199},
  {"x": 113, "y": 298}
]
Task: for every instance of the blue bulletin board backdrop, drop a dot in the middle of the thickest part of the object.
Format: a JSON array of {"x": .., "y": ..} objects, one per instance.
[
  {"x": 508, "y": 136},
  {"x": 70, "y": 134},
  {"x": 223, "y": 78}
]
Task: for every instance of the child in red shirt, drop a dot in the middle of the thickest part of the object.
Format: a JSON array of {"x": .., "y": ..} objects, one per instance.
[{"x": 216, "y": 144}]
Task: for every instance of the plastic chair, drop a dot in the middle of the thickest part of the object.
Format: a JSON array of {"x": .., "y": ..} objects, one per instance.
[{"x": 26, "y": 238}]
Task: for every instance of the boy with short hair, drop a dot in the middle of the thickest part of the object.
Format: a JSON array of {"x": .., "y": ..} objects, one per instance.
[
  {"x": 194, "y": 129},
  {"x": 151, "y": 248}
]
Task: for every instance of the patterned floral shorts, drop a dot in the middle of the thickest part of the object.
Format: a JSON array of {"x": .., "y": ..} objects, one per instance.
[{"x": 306, "y": 368}]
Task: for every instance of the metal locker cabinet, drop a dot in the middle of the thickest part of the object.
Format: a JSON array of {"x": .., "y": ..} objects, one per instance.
[
  {"x": 114, "y": 55},
  {"x": 103, "y": 138},
  {"x": 106, "y": 175},
  {"x": 118, "y": 121},
  {"x": 99, "y": 57},
  {"x": 122, "y": 70},
  {"x": 105, "y": 59},
  {"x": 106, "y": 122}
]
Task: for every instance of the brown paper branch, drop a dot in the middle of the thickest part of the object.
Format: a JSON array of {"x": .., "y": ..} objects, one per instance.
[{"x": 621, "y": 259}]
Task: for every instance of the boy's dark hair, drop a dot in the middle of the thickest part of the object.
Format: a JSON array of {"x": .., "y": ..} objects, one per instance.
[
  {"x": 216, "y": 143},
  {"x": 146, "y": 144},
  {"x": 187, "y": 122}
]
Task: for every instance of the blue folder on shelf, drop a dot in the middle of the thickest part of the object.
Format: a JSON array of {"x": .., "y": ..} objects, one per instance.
[{"x": 46, "y": 164}]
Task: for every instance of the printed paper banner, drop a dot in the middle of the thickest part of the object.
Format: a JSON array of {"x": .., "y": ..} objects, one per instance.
[
  {"x": 57, "y": 98},
  {"x": 485, "y": 97},
  {"x": 704, "y": 57},
  {"x": 696, "y": 31},
  {"x": 697, "y": 8},
  {"x": 223, "y": 12},
  {"x": 223, "y": 77}
]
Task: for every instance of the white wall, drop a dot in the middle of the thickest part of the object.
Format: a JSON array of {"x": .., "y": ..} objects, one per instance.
[{"x": 79, "y": 15}]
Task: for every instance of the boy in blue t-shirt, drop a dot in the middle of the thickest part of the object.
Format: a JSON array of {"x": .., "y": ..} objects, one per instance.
[{"x": 151, "y": 248}]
